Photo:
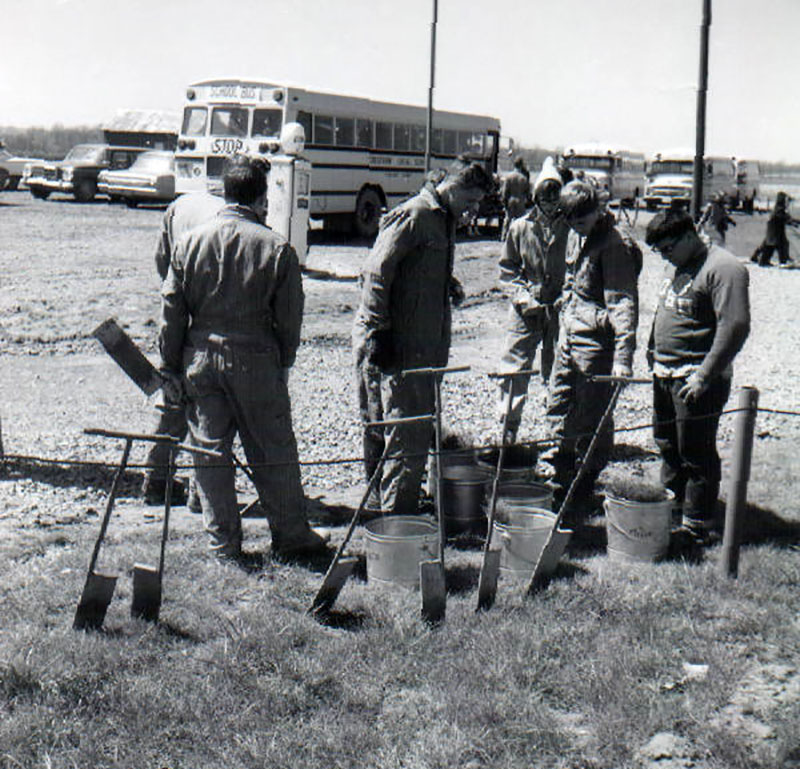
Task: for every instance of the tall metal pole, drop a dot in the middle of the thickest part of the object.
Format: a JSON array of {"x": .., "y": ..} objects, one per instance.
[
  {"x": 429, "y": 132},
  {"x": 700, "y": 139}
]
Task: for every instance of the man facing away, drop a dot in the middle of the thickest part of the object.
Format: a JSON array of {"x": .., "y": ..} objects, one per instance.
[
  {"x": 599, "y": 316},
  {"x": 232, "y": 307},
  {"x": 403, "y": 322},
  {"x": 182, "y": 215},
  {"x": 701, "y": 322},
  {"x": 532, "y": 273},
  {"x": 515, "y": 193}
]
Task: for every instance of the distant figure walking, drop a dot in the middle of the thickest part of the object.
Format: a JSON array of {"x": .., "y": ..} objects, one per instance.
[
  {"x": 715, "y": 219},
  {"x": 515, "y": 194},
  {"x": 776, "y": 234}
]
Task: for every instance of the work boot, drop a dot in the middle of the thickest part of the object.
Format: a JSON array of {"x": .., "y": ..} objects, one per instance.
[
  {"x": 154, "y": 490},
  {"x": 305, "y": 544}
]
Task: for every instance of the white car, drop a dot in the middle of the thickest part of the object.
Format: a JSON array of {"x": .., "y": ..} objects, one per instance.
[{"x": 151, "y": 178}]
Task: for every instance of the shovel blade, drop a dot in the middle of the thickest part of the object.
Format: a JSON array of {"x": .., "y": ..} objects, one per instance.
[
  {"x": 96, "y": 596},
  {"x": 434, "y": 597},
  {"x": 146, "y": 601},
  {"x": 332, "y": 585},
  {"x": 487, "y": 583},
  {"x": 128, "y": 356}
]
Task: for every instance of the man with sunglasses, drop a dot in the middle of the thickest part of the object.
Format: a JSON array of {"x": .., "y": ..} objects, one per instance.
[
  {"x": 532, "y": 273},
  {"x": 701, "y": 322},
  {"x": 599, "y": 316}
]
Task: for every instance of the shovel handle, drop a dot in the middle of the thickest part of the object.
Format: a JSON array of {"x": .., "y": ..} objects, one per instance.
[
  {"x": 511, "y": 374},
  {"x": 110, "y": 503},
  {"x": 400, "y": 421},
  {"x": 167, "y": 508},
  {"x": 153, "y": 438},
  {"x": 434, "y": 370},
  {"x": 620, "y": 379}
]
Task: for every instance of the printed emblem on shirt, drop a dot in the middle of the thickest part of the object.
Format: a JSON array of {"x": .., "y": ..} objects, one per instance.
[{"x": 677, "y": 295}]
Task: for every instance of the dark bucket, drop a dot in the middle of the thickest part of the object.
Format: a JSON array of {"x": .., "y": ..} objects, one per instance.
[
  {"x": 463, "y": 499},
  {"x": 518, "y": 462}
]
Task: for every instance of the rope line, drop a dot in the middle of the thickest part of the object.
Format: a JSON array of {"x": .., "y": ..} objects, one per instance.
[{"x": 536, "y": 443}]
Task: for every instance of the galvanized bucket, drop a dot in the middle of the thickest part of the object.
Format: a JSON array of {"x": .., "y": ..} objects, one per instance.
[
  {"x": 523, "y": 497},
  {"x": 463, "y": 500},
  {"x": 395, "y": 546},
  {"x": 637, "y": 531},
  {"x": 518, "y": 463},
  {"x": 523, "y": 541}
]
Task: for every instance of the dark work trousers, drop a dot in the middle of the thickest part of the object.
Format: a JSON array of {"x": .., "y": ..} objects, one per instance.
[
  {"x": 370, "y": 405},
  {"x": 576, "y": 405},
  {"x": 170, "y": 422},
  {"x": 686, "y": 435}
]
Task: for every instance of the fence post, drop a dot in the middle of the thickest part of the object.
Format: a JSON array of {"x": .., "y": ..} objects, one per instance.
[{"x": 746, "y": 405}]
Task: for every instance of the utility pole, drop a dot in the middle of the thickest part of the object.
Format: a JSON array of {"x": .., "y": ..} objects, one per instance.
[
  {"x": 429, "y": 132},
  {"x": 700, "y": 138}
]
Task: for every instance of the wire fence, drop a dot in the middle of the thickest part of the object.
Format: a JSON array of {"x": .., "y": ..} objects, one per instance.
[{"x": 22, "y": 458}]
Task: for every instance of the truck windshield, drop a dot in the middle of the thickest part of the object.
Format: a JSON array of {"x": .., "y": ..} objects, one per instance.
[
  {"x": 589, "y": 161},
  {"x": 679, "y": 167}
]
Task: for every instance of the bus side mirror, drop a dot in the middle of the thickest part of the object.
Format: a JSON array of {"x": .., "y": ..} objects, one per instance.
[{"x": 293, "y": 138}]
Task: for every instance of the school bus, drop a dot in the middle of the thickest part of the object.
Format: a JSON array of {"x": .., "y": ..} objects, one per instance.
[
  {"x": 366, "y": 155},
  {"x": 619, "y": 172}
]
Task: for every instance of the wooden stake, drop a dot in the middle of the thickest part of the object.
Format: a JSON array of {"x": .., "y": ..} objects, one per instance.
[{"x": 747, "y": 404}]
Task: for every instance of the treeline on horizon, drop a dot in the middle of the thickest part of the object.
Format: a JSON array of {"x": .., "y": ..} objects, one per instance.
[{"x": 55, "y": 142}]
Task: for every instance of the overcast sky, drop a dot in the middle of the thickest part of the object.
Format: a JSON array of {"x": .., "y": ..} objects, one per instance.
[{"x": 555, "y": 72}]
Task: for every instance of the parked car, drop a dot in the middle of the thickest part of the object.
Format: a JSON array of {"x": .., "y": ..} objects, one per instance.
[
  {"x": 11, "y": 168},
  {"x": 150, "y": 178},
  {"x": 77, "y": 173}
]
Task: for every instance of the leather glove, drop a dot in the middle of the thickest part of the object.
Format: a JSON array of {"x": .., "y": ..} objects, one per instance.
[
  {"x": 172, "y": 388},
  {"x": 380, "y": 349},
  {"x": 693, "y": 389}
]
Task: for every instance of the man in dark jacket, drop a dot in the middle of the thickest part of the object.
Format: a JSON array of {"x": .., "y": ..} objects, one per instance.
[
  {"x": 232, "y": 307},
  {"x": 775, "y": 239},
  {"x": 403, "y": 322},
  {"x": 599, "y": 316},
  {"x": 701, "y": 322}
]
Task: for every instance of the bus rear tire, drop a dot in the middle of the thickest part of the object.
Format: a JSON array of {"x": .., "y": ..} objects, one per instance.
[{"x": 368, "y": 213}]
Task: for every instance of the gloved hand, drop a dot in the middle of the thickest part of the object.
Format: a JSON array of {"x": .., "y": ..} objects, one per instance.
[
  {"x": 456, "y": 291},
  {"x": 380, "y": 349},
  {"x": 172, "y": 388},
  {"x": 693, "y": 389}
]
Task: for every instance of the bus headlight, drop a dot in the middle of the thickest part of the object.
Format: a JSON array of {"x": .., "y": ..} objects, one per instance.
[{"x": 189, "y": 168}]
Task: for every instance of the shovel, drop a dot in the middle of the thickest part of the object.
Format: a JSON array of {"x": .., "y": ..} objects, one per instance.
[
  {"x": 128, "y": 356},
  {"x": 148, "y": 580},
  {"x": 537, "y": 578},
  {"x": 99, "y": 588},
  {"x": 490, "y": 566},
  {"x": 341, "y": 568},
  {"x": 431, "y": 573}
]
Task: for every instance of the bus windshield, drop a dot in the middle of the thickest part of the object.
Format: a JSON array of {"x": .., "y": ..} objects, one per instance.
[
  {"x": 267, "y": 122},
  {"x": 194, "y": 121},
  {"x": 679, "y": 167},
  {"x": 589, "y": 161},
  {"x": 229, "y": 121}
]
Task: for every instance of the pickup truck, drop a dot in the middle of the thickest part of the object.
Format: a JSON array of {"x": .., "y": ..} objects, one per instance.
[
  {"x": 77, "y": 173},
  {"x": 11, "y": 168}
]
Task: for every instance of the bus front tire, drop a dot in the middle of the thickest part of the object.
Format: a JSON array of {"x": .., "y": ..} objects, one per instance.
[{"x": 368, "y": 213}]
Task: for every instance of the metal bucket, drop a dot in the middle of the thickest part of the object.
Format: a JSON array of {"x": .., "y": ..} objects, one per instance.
[
  {"x": 463, "y": 499},
  {"x": 523, "y": 541},
  {"x": 518, "y": 463},
  {"x": 637, "y": 531},
  {"x": 395, "y": 545},
  {"x": 448, "y": 458},
  {"x": 523, "y": 497}
]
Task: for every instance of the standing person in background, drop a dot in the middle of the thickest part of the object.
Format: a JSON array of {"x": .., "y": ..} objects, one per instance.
[
  {"x": 532, "y": 273},
  {"x": 515, "y": 194},
  {"x": 776, "y": 234},
  {"x": 182, "y": 215},
  {"x": 232, "y": 308},
  {"x": 701, "y": 322},
  {"x": 716, "y": 217},
  {"x": 599, "y": 316},
  {"x": 403, "y": 322}
]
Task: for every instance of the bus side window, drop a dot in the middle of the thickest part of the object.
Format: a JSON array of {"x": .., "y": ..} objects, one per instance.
[
  {"x": 363, "y": 133},
  {"x": 345, "y": 132},
  {"x": 383, "y": 136},
  {"x": 402, "y": 136},
  {"x": 449, "y": 144},
  {"x": 470, "y": 143},
  {"x": 304, "y": 118},
  {"x": 436, "y": 140},
  {"x": 323, "y": 129},
  {"x": 418, "y": 138}
]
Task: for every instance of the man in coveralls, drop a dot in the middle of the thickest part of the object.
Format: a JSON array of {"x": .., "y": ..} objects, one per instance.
[
  {"x": 232, "y": 307},
  {"x": 532, "y": 273},
  {"x": 599, "y": 316},
  {"x": 182, "y": 215},
  {"x": 403, "y": 322}
]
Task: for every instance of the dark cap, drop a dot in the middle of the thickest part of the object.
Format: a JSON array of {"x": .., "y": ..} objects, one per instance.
[{"x": 668, "y": 224}]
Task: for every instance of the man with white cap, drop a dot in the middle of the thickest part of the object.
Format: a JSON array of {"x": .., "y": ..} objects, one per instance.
[{"x": 532, "y": 273}]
